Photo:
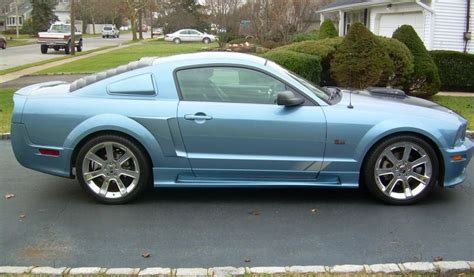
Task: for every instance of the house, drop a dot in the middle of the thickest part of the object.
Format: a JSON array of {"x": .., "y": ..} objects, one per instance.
[{"x": 441, "y": 24}]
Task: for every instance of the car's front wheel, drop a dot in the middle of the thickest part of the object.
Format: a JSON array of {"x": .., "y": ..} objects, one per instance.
[
  {"x": 113, "y": 169},
  {"x": 401, "y": 170},
  {"x": 206, "y": 40},
  {"x": 177, "y": 40}
]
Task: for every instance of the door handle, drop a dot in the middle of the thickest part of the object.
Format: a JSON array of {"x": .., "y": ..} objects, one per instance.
[{"x": 197, "y": 116}]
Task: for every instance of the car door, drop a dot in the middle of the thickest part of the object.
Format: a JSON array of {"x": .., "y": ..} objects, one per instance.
[
  {"x": 194, "y": 35},
  {"x": 232, "y": 127},
  {"x": 184, "y": 35}
]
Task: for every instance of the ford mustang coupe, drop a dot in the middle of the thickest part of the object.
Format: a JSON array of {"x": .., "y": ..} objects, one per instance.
[{"x": 228, "y": 119}]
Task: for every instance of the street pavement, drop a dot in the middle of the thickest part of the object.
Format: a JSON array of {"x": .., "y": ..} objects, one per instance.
[
  {"x": 51, "y": 221},
  {"x": 20, "y": 55}
]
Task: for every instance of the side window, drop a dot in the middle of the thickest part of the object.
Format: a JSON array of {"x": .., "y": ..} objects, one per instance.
[
  {"x": 228, "y": 84},
  {"x": 183, "y": 32},
  {"x": 135, "y": 85}
]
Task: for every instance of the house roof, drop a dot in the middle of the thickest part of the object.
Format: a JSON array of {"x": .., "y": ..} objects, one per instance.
[
  {"x": 341, "y": 4},
  {"x": 23, "y": 8}
]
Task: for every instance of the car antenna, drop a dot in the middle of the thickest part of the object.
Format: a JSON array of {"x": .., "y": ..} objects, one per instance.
[{"x": 350, "y": 100}]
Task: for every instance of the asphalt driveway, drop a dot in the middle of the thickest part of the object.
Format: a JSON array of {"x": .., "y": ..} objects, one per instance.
[{"x": 51, "y": 221}]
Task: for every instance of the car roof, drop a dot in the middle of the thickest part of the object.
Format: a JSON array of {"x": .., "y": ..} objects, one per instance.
[{"x": 211, "y": 57}]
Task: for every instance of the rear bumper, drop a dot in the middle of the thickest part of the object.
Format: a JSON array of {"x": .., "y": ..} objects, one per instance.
[
  {"x": 455, "y": 171},
  {"x": 28, "y": 154}
]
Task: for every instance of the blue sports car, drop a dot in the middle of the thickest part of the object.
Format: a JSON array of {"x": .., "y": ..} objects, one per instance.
[{"x": 228, "y": 119}]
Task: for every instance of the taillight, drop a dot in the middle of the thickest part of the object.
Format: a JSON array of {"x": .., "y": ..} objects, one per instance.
[
  {"x": 66, "y": 37},
  {"x": 49, "y": 152}
]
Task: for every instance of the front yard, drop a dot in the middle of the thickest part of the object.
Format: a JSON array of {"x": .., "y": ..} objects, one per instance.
[
  {"x": 463, "y": 105},
  {"x": 123, "y": 56}
]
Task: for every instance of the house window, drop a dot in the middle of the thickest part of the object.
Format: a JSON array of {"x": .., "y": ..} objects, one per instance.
[{"x": 353, "y": 17}]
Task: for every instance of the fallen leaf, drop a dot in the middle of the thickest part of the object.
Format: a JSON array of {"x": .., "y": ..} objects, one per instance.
[
  {"x": 23, "y": 216},
  {"x": 146, "y": 254},
  {"x": 247, "y": 260},
  {"x": 9, "y": 196},
  {"x": 254, "y": 212},
  {"x": 314, "y": 211},
  {"x": 437, "y": 259}
]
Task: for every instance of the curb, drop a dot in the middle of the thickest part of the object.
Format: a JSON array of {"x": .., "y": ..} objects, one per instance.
[
  {"x": 444, "y": 268},
  {"x": 6, "y": 136}
]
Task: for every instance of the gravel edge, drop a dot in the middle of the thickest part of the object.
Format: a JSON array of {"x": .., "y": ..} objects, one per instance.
[{"x": 442, "y": 268}]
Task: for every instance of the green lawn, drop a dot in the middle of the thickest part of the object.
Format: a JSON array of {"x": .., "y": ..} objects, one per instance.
[
  {"x": 462, "y": 105},
  {"x": 123, "y": 56},
  {"x": 19, "y": 42},
  {"x": 6, "y": 106}
]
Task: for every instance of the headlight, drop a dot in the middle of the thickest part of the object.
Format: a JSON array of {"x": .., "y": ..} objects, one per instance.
[{"x": 460, "y": 135}]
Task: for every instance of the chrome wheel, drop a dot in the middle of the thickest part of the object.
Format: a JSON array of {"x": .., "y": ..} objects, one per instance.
[
  {"x": 403, "y": 170},
  {"x": 111, "y": 170}
]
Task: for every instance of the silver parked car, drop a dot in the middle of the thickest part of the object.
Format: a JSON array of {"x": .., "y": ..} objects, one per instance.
[
  {"x": 110, "y": 31},
  {"x": 185, "y": 35}
]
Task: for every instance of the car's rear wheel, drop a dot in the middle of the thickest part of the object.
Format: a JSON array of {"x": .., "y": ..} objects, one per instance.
[
  {"x": 177, "y": 40},
  {"x": 113, "y": 169},
  {"x": 206, "y": 40},
  {"x": 401, "y": 170},
  {"x": 44, "y": 49}
]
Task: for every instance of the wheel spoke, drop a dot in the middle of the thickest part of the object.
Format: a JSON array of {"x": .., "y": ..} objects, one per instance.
[
  {"x": 389, "y": 155},
  {"x": 121, "y": 186},
  {"x": 93, "y": 174},
  {"x": 420, "y": 178},
  {"x": 124, "y": 158},
  {"x": 93, "y": 157},
  {"x": 419, "y": 161},
  {"x": 406, "y": 153},
  {"x": 407, "y": 189},
  {"x": 129, "y": 173},
  {"x": 391, "y": 185},
  {"x": 104, "y": 188},
  {"x": 109, "y": 151},
  {"x": 384, "y": 171}
]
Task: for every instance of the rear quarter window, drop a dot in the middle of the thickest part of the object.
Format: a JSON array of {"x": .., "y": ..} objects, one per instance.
[{"x": 136, "y": 85}]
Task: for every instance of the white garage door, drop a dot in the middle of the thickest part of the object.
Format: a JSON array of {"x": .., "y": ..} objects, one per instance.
[{"x": 390, "y": 22}]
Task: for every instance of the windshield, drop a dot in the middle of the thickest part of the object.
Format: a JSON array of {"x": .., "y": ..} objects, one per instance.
[
  {"x": 60, "y": 28},
  {"x": 107, "y": 28},
  {"x": 315, "y": 89}
]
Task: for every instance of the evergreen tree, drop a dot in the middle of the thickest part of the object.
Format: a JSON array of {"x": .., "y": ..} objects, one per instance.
[{"x": 42, "y": 15}]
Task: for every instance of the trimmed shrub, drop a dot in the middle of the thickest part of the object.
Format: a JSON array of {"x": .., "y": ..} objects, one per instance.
[
  {"x": 424, "y": 81},
  {"x": 270, "y": 44},
  {"x": 397, "y": 72},
  {"x": 313, "y": 35},
  {"x": 360, "y": 60},
  {"x": 325, "y": 49},
  {"x": 305, "y": 65},
  {"x": 456, "y": 70},
  {"x": 327, "y": 30}
]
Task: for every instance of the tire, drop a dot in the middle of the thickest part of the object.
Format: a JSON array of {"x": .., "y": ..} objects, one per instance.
[
  {"x": 79, "y": 46},
  {"x": 67, "y": 49},
  {"x": 177, "y": 40},
  {"x": 44, "y": 49},
  {"x": 206, "y": 41},
  {"x": 118, "y": 36},
  {"x": 104, "y": 187},
  {"x": 103, "y": 36},
  {"x": 404, "y": 181}
]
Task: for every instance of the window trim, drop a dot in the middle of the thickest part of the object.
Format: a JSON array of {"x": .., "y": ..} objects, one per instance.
[{"x": 180, "y": 94}]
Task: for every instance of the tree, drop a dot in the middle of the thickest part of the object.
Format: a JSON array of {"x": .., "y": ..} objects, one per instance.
[
  {"x": 327, "y": 30},
  {"x": 360, "y": 60},
  {"x": 424, "y": 81},
  {"x": 178, "y": 14},
  {"x": 223, "y": 13},
  {"x": 42, "y": 15}
]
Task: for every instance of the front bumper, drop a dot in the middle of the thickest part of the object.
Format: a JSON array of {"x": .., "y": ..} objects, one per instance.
[
  {"x": 28, "y": 154},
  {"x": 455, "y": 170}
]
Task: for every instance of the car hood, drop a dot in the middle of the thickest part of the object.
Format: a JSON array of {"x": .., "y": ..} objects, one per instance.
[{"x": 393, "y": 103}]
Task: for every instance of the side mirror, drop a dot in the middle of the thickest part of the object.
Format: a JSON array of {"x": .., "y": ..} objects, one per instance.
[{"x": 288, "y": 99}]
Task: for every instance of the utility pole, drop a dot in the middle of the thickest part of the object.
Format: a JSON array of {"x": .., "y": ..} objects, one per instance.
[
  {"x": 73, "y": 29},
  {"x": 17, "y": 20}
]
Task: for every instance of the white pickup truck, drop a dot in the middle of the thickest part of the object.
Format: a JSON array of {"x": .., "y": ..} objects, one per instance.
[{"x": 59, "y": 37}]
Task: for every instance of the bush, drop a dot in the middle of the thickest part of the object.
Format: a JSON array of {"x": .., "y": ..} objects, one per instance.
[
  {"x": 327, "y": 30},
  {"x": 325, "y": 49},
  {"x": 313, "y": 35},
  {"x": 456, "y": 70},
  {"x": 305, "y": 65},
  {"x": 270, "y": 44},
  {"x": 397, "y": 72},
  {"x": 360, "y": 60},
  {"x": 223, "y": 38},
  {"x": 424, "y": 81}
]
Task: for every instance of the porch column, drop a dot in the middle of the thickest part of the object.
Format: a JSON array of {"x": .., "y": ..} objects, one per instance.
[
  {"x": 321, "y": 18},
  {"x": 341, "y": 23}
]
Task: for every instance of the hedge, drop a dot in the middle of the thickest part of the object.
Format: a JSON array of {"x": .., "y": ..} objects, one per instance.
[
  {"x": 425, "y": 81},
  {"x": 456, "y": 70},
  {"x": 327, "y": 30},
  {"x": 305, "y": 65},
  {"x": 397, "y": 73},
  {"x": 324, "y": 48}
]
